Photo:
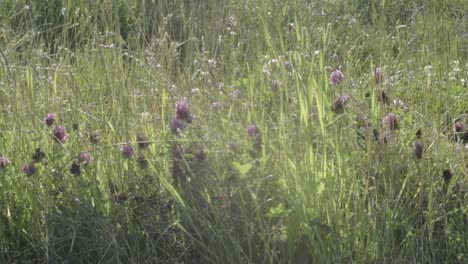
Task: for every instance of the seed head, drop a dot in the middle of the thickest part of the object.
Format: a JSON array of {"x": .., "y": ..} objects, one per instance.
[
  {"x": 94, "y": 138},
  {"x": 49, "y": 119},
  {"x": 60, "y": 135},
  {"x": 418, "y": 150},
  {"x": 75, "y": 169},
  {"x": 447, "y": 174}
]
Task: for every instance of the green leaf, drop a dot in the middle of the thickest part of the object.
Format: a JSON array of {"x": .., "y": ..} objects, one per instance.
[{"x": 242, "y": 169}]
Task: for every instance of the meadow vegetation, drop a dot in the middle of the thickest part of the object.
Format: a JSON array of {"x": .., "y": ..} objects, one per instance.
[{"x": 237, "y": 131}]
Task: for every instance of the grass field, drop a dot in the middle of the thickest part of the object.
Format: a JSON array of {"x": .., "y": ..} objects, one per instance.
[{"x": 138, "y": 131}]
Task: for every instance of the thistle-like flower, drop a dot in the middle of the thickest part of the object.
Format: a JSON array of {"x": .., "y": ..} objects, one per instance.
[
  {"x": 49, "y": 119},
  {"x": 60, "y": 135}
]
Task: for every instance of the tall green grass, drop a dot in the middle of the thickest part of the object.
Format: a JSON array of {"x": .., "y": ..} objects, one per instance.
[{"x": 322, "y": 187}]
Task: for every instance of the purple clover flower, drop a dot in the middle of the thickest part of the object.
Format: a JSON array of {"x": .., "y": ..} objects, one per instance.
[
  {"x": 176, "y": 126},
  {"x": 29, "y": 169},
  {"x": 390, "y": 121},
  {"x": 459, "y": 126},
  {"x": 336, "y": 77},
  {"x": 60, "y": 135},
  {"x": 50, "y": 119},
  {"x": 253, "y": 130},
  {"x": 4, "y": 162},
  {"x": 127, "y": 151},
  {"x": 182, "y": 111},
  {"x": 340, "y": 103},
  {"x": 84, "y": 159}
]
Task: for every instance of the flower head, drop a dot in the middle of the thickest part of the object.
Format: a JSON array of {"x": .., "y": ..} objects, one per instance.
[
  {"x": 182, "y": 111},
  {"x": 29, "y": 169},
  {"x": 390, "y": 121},
  {"x": 336, "y": 77},
  {"x": 60, "y": 135},
  {"x": 459, "y": 126},
  {"x": 176, "y": 126},
  {"x": 4, "y": 162},
  {"x": 75, "y": 169},
  {"x": 253, "y": 130},
  {"x": 84, "y": 159},
  {"x": 127, "y": 151},
  {"x": 50, "y": 119},
  {"x": 340, "y": 103},
  {"x": 38, "y": 155}
]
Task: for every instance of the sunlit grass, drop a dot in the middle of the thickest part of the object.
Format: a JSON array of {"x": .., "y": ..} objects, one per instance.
[{"x": 266, "y": 158}]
